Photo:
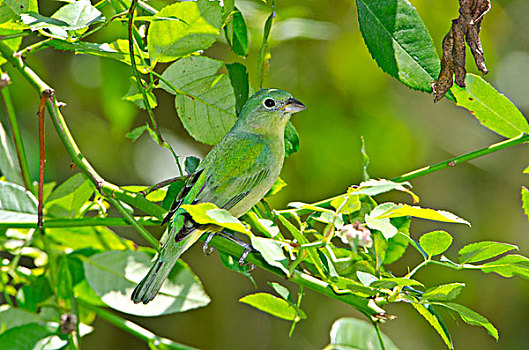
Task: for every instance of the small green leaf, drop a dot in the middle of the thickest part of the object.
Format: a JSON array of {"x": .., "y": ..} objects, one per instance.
[
  {"x": 11, "y": 9},
  {"x": 397, "y": 244},
  {"x": 443, "y": 292},
  {"x": 171, "y": 194},
  {"x": 525, "y": 200},
  {"x": 270, "y": 304},
  {"x": 264, "y": 52},
  {"x": 16, "y": 204},
  {"x": 69, "y": 197},
  {"x": 198, "y": 29},
  {"x": 433, "y": 318},
  {"x": 237, "y": 33},
  {"x": 381, "y": 224},
  {"x": 8, "y": 163},
  {"x": 399, "y": 41},
  {"x": 282, "y": 291},
  {"x": 114, "y": 274},
  {"x": 390, "y": 283},
  {"x": 64, "y": 285},
  {"x": 31, "y": 295},
  {"x": 472, "y": 318},
  {"x": 350, "y": 333},
  {"x": 239, "y": 82},
  {"x": 346, "y": 204},
  {"x": 480, "y": 251},
  {"x": 271, "y": 252},
  {"x": 436, "y": 242},
  {"x": 509, "y": 266},
  {"x": 135, "y": 96},
  {"x": 375, "y": 187},
  {"x": 233, "y": 264},
  {"x": 209, "y": 213},
  {"x": 137, "y": 132},
  {"x": 276, "y": 187},
  {"x": 14, "y": 317},
  {"x": 490, "y": 107},
  {"x": 95, "y": 237},
  {"x": 78, "y": 14},
  {"x": 191, "y": 164},
  {"x": 291, "y": 140},
  {"x": 205, "y": 101}
]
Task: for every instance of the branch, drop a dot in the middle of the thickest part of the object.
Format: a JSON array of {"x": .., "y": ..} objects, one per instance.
[{"x": 83, "y": 222}]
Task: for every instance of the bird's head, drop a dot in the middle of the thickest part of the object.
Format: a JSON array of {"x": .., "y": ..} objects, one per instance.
[{"x": 268, "y": 111}]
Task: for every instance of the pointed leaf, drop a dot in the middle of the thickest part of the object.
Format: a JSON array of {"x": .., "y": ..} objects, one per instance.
[
  {"x": 233, "y": 264},
  {"x": 398, "y": 40},
  {"x": 114, "y": 274},
  {"x": 271, "y": 252},
  {"x": 430, "y": 315},
  {"x": 69, "y": 197},
  {"x": 471, "y": 317},
  {"x": 509, "y": 266},
  {"x": 237, "y": 33},
  {"x": 270, "y": 304},
  {"x": 493, "y": 109},
  {"x": 374, "y": 187},
  {"x": 480, "y": 251},
  {"x": 208, "y": 213},
  {"x": 16, "y": 204},
  {"x": 444, "y": 292},
  {"x": 399, "y": 210},
  {"x": 239, "y": 82}
]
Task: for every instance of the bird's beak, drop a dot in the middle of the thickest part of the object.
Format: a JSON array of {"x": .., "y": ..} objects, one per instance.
[{"x": 293, "y": 106}]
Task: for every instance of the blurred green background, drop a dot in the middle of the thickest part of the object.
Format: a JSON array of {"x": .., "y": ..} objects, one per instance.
[{"x": 318, "y": 55}]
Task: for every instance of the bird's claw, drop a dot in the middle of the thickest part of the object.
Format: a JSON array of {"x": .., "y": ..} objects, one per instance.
[
  {"x": 247, "y": 250},
  {"x": 206, "y": 248}
]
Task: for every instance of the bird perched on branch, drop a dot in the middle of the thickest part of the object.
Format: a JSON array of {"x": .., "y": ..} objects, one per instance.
[{"x": 235, "y": 175}]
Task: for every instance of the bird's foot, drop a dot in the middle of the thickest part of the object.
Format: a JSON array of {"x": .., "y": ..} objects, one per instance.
[{"x": 206, "y": 248}]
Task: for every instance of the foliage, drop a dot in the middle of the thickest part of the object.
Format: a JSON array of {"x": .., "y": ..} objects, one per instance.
[{"x": 340, "y": 247}]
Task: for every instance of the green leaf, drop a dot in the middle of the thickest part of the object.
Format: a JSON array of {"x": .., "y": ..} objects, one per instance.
[
  {"x": 472, "y": 318},
  {"x": 116, "y": 50},
  {"x": 430, "y": 315},
  {"x": 11, "y": 9},
  {"x": 204, "y": 100},
  {"x": 480, "y": 251},
  {"x": 95, "y": 237},
  {"x": 137, "y": 132},
  {"x": 271, "y": 252},
  {"x": 350, "y": 333},
  {"x": 239, "y": 82},
  {"x": 375, "y": 187},
  {"x": 15, "y": 317},
  {"x": 282, "y": 291},
  {"x": 26, "y": 336},
  {"x": 209, "y": 213},
  {"x": 346, "y": 204},
  {"x": 399, "y": 42},
  {"x": 191, "y": 164},
  {"x": 64, "y": 286},
  {"x": 237, "y": 33},
  {"x": 509, "y": 266},
  {"x": 8, "y": 163},
  {"x": 16, "y": 204},
  {"x": 436, "y": 242},
  {"x": 264, "y": 52},
  {"x": 443, "y": 292},
  {"x": 69, "y": 197},
  {"x": 397, "y": 244},
  {"x": 114, "y": 274},
  {"x": 270, "y": 304},
  {"x": 171, "y": 194},
  {"x": 390, "y": 283},
  {"x": 381, "y": 224},
  {"x": 198, "y": 29},
  {"x": 78, "y": 14},
  {"x": 392, "y": 210},
  {"x": 233, "y": 264},
  {"x": 135, "y": 96},
  {"x": 380, "y": 246},
  {"x": 276, "y": 187},
  {"x": 525, "y": 199},
  {"x": 493, "y": 109},
  {"x": 31, "y": 295},
  {"x": 291, "y": 140}
]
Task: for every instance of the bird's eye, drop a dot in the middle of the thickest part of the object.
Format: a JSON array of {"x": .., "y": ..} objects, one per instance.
[{"x": 269, "y": 103}]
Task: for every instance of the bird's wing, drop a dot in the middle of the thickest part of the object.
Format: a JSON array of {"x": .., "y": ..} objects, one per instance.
[{"x": 190, "y": 182}]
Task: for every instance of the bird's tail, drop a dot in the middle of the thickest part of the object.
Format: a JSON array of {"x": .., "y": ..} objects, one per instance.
[{"x": 149, "y": 287}]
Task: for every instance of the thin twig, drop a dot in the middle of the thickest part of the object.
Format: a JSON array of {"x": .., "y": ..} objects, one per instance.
[{"x": 46, "y": 96}]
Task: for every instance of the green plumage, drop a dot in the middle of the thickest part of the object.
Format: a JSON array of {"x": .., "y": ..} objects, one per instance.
[{"x": 235, "y": 175}]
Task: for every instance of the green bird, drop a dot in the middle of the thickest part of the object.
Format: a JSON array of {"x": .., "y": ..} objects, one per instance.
[{"x": 234, "y": 175}]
